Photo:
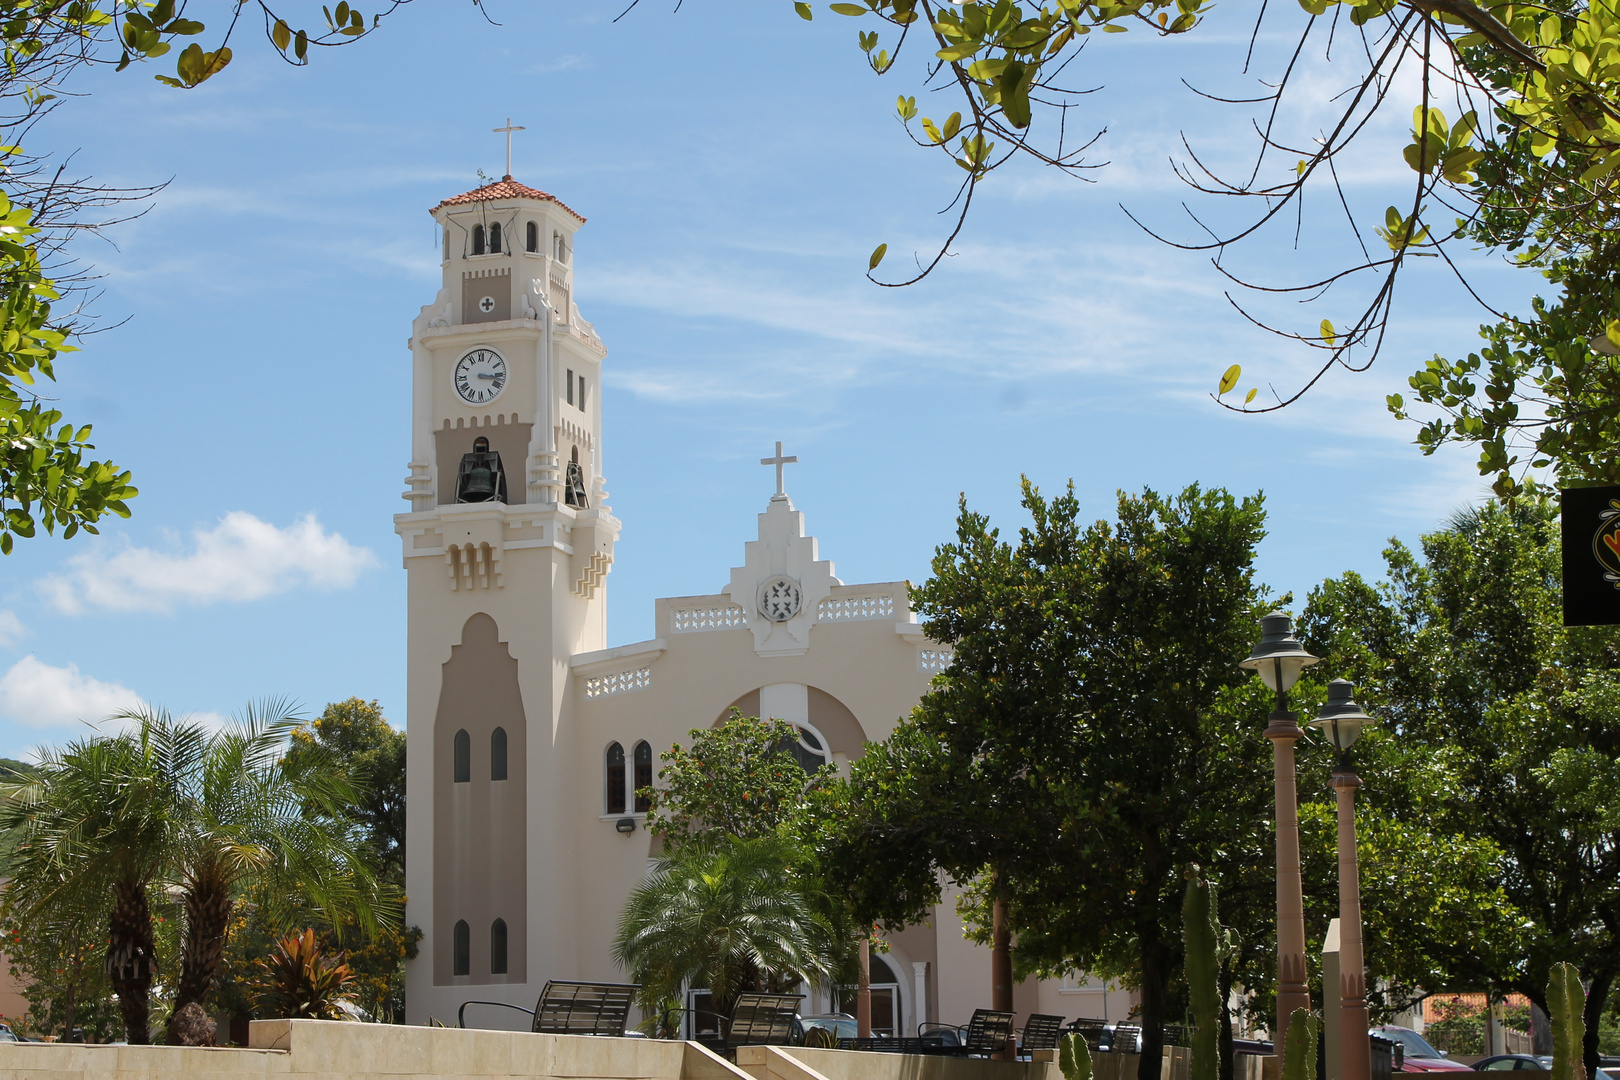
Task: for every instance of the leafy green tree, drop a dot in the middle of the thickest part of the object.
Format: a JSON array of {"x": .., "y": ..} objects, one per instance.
[
  {"x": 245, "y": 813},
  {"x": 734, "y": 915},
  {"x": 108, "y": 821},
  {"x": 60, "y": 968},
  {"x": 355, "y": 733},
  {"x": 1080, "y": 751},
  {"x": 1514, "y": 718},
  {"x": 736, "y": 780},
  {"x": 1092, "y": 738}
]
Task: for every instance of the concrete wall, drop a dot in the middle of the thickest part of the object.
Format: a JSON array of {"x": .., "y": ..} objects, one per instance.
[{"x": 329, "y": 1050}]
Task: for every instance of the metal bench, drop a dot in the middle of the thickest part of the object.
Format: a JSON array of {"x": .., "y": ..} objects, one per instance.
[
  {"x": 756, "y": 1020},
  {"x": 1041, "y": 1032},
  {"x": 573, "y": 1008},
  {"x": 1094, "y": 1031},
  {"x": 987, "y": 1033}
]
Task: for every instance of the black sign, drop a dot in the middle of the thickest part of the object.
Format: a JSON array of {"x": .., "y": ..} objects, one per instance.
[{"x": 1591, "y": 519}]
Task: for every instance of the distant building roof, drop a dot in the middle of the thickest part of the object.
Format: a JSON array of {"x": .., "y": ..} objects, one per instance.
[{"x": 505, "y": 188}]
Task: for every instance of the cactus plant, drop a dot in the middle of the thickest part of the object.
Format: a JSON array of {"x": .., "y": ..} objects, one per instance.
[
  {"x": 1200, "y": 933},
  {"x": 1074, "y": 1057},
  {"x": 1566, "y": 1006},
  {"x": 1299, "y": 1057}
]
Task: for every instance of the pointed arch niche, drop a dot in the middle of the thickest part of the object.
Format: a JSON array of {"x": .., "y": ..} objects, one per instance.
[{"x": 479, "y": 832}]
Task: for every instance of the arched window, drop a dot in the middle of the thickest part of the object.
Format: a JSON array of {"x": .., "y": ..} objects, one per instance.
[
  {"x": 478, "y": 239},
  {"x": 497, "y": 754},
  {"x": 463, "y": 757},
  {"x": 615, "y": 778},
  {"x": 495, "y": 239},
  {"x": 447, "y": 245},
  {"x": 643, "y": 776},
  {"x": 808, "y": 750},
  {"x": 532, "y": 236},
  {"x": 559, "y": 247},
  {"x": 497, "y": 947},
  {"x": 461, "y": 949}
]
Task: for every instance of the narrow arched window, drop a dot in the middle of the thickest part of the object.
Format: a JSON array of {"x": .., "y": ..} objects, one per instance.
[
  {"x": 495, "y": 238},
  {"x": 463, "y": 757},
  {"x": 497, "y": 947},
  {"x": 532, "y": 236},
  {"x": 461, "y": 949},
  {"x": 478, "y": 239},
  {"x": 558, "y": 250},
  {"x": 615, "y": 778},
  {"x": 497, "y": 754},
  {"x": 447, "y": 245},
  {"x": 643, "y": 776}
]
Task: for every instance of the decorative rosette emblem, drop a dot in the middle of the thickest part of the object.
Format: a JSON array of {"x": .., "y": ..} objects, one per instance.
[
  {"x": 1606, "y": 543},
  {"x": 780, "y": 598}
]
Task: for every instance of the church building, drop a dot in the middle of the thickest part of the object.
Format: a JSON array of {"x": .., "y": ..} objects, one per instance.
[{"x": 528, "y": 736}]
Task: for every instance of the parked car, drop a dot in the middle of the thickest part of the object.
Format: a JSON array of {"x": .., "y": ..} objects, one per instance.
[
  {"x": 1503, "y": 1062},
  {"x": 1417, "y": 1054}
]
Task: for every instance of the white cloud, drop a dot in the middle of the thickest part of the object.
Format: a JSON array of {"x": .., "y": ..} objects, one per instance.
[
  {"x": 12, "y": 629},
  {"x": 241, "y": 558},
  {"x": 39, "y": 695}
]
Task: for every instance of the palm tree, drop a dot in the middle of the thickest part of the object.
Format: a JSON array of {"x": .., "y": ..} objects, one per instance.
[
  {"x": 214, "y": 815},
  {"x": 95, "y": 833},
  {"x": 248, "y": 818},
  {"x": 736, "y": 916}
]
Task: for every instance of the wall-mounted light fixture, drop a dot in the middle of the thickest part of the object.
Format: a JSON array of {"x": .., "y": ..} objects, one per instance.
[{"x": 626, "y": 825}]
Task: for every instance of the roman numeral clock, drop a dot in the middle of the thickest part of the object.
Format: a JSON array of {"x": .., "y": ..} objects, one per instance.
[{"x": 480, "y": 376}]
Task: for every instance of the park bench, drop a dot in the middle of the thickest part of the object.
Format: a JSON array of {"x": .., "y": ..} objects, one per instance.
[
  {"x": 573, "y": 1008},
  {"x": 1094, "y": 1031},
  {"x": 756, "y": 1020},
  {"x": 1041, "y": 1032}
]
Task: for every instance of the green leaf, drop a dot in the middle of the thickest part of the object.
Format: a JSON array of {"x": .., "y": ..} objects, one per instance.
[
  {"x": 804, "y": 10},
  {"x": 850, "y": 9},
  {"x": 1253, "y": 390},
  {"x": 1230, "y": 379},
  {"x": 877, "y": 257},
  {"x": 281, "y": 35}
]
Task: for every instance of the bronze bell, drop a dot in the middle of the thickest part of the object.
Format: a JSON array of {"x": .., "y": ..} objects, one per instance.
[{"x": 480, "y": 485}]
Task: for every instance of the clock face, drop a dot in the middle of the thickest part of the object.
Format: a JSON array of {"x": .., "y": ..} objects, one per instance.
[{"x": 480, "y": 376}]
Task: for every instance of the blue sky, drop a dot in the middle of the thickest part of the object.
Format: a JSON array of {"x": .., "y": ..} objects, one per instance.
[{"x": 736, "y": 165}]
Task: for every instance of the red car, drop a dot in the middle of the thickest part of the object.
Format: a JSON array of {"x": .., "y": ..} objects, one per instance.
[{"x": 1418, "y": 1055}]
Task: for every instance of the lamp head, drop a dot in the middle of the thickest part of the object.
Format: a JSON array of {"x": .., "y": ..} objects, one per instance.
[
  {"x": 625, "y": 825},
  {"x": 1340, "y": 718},
  {"x": 1278, "y": 657}
]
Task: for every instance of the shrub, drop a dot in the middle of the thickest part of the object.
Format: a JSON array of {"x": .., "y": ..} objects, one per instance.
[{"x": 299, "y": 982}]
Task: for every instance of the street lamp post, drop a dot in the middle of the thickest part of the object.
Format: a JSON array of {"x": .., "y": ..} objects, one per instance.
[
  {"x": 1278, "y": 659},
  {"x": 1342, "y": 720}
]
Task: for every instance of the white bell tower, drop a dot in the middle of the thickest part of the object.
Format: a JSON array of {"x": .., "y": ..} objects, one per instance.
[{"x": 507, "y": 544}]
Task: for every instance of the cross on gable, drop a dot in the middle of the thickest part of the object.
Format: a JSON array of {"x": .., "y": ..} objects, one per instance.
[{"x": 779, "y": 461}]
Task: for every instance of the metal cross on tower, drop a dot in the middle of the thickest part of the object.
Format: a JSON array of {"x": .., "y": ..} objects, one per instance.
[
  {"x": 779, "y": 461},
  {"x": 508, "y": 129}
]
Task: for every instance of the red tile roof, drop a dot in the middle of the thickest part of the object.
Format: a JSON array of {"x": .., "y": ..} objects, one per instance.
[{"x": 505, "y": 188}]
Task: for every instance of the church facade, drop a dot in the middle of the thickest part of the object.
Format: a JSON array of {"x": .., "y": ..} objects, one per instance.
[{"x": 528, "y": 736}]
